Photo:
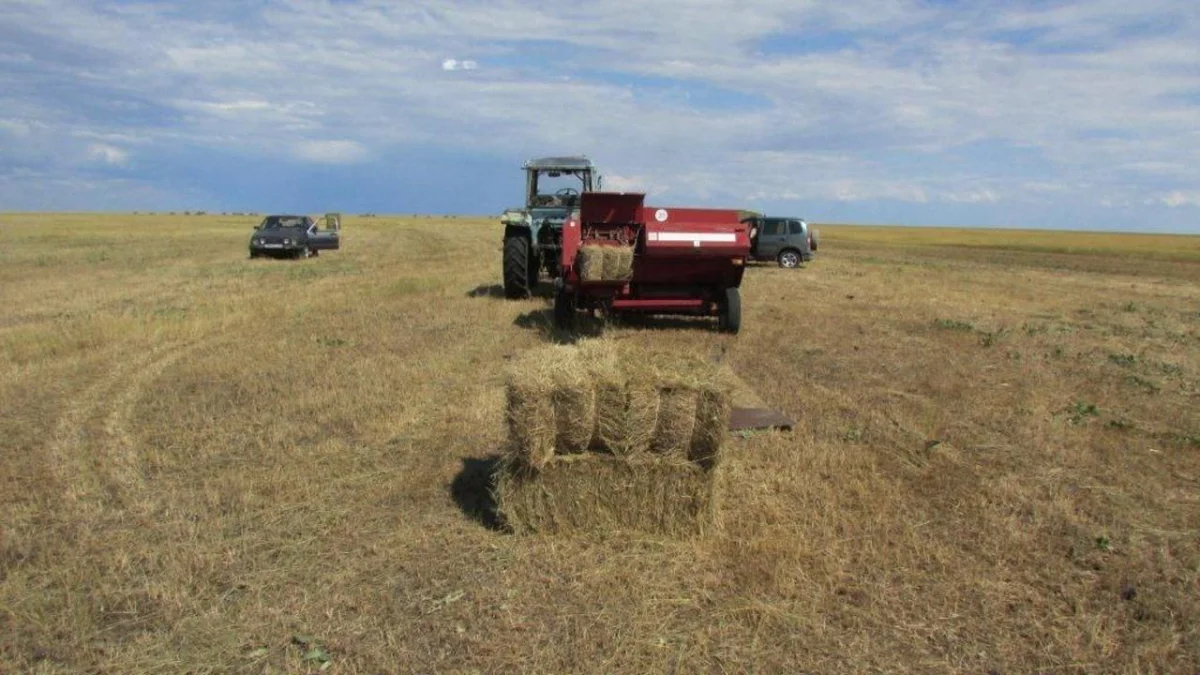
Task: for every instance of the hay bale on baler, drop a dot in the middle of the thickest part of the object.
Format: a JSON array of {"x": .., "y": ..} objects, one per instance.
[
  {"x": 606, "y": 262},
  {"x": 591, "y": 263}
]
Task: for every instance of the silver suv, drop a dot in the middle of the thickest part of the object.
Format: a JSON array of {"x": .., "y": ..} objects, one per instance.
[{"x": 788, "y": 241}]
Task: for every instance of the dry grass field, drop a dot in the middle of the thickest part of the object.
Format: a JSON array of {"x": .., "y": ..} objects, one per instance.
[{"x": 213, "y": 464}]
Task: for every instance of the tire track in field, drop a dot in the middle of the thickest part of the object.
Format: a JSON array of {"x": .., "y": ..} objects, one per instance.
[
  {"x": 67, "y": 450},
  {"x": 92, "y": 453},
  {"x": 124, "y": 470}
]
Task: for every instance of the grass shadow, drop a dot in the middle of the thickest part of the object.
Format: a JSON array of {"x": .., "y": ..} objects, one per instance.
[
  {"x": 542, "y": 320},
  {"x": 656, "y": 322},
  {"x": 472, "y": 490},
  {"x": 486, "y": 291},
  {"x": 544, "y": 290}
]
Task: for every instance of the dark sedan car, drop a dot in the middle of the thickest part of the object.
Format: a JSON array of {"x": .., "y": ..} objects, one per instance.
[{"x": 292, "y": 237}]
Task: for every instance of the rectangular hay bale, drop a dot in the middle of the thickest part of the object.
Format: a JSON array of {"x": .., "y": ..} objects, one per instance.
[
  {"x": 595, "y": 493},
  {"x": 574, "y": 416},
  {"x": 590, "y": 261},
  {"x": 626, "y": 415},
  {"x": 676, "y": 421},
  {"x": 624, "y": 264},
  {"x": 606, "y": 397},
  {"x": 713, "y": 407},
  {"x": 531, "y": 422},
  {"x": 612, "y": 262}
]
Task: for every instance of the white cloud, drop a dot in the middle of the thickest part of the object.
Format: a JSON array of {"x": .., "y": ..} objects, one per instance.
[
  {"x": 331, "y": 152},
  {"x": 1179, "y": 198},
  {"x": 18, "y": 128},
  {"x": 979, "y": 196},
  {"x": 614, "y": 182},
  {"x": 241, "y": 105},
  {"x": 107, "y": 154},
  {"x": 455, "y": 64}
]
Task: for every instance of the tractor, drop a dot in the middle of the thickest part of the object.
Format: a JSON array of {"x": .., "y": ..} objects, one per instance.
[{"x": 533, "y": 233}]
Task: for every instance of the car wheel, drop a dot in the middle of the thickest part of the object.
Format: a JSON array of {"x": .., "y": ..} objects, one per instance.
[
  {"x": 789, "y": 258},
  {"x": 304, "y": 253}
]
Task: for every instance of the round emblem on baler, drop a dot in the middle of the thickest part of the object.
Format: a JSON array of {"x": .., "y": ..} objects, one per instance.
[{"x": 661, "y": 215}]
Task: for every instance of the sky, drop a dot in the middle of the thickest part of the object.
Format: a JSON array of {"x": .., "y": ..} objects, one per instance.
[{"x": 1065, "y": 115}]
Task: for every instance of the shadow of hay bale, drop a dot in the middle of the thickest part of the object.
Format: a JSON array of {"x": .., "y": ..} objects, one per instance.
[
  {"x": 542, "y": 320},
  {"x": 472, "y": 490}
]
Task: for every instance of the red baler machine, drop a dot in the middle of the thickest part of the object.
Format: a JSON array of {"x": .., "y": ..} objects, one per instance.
[{"x": 676, "y": 260}]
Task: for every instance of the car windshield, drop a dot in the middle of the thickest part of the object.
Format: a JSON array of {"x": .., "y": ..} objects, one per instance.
[{"x": 277, "y": 222}]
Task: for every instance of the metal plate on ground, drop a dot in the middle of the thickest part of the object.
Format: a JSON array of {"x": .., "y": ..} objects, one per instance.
[{"x": 746, "y": 419}]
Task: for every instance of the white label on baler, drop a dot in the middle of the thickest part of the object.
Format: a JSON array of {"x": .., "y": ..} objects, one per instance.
[
  {"x": 713, "y": 237},
  {"x": 661, "y": 215}
]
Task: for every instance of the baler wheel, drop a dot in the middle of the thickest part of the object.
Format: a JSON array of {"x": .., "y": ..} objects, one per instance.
[
  {"x": 565, "y": 316},
  {"x": 730, "y": 318},
  {"x": 516, "y": 267}
]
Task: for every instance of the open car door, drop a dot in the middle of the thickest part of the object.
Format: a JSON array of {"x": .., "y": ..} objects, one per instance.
[{"x": 323, "y": 240}]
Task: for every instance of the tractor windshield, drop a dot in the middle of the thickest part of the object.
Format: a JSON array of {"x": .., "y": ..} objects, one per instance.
[{"x": 558, "y": 188}]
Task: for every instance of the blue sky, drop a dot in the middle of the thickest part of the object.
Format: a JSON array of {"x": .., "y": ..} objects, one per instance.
[{"x": 1022, "y": 114}]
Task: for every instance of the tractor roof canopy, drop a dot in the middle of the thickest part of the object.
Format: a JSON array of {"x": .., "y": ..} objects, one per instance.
[{"x": 559, "y": 164}]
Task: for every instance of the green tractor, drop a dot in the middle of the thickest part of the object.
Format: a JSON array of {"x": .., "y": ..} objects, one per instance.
[{"x": 533, "y": 233}]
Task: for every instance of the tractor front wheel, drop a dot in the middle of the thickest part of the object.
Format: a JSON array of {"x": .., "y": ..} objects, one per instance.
[
  {"x": 730, "y": 318},
  {"x": 535, "y": 267},
  {"x": 516, "y": 267}
]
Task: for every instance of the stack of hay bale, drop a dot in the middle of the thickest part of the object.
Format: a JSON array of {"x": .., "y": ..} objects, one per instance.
[
  {"x": 605, "y": 263},
  {"x": 604, "y": 436}
]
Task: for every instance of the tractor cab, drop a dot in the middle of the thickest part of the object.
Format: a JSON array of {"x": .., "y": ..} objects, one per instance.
[
  {"x": 557, "y": 182},
  {"x": 533, "y": 232}
]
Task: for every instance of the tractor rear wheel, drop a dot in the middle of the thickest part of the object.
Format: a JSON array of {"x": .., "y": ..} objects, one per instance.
[
  {"x": 730, "y": 318},
  {"x": 516, "y": 267}
]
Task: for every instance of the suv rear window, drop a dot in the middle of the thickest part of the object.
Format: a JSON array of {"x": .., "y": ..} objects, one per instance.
[{"x": 795, "y": 227}]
